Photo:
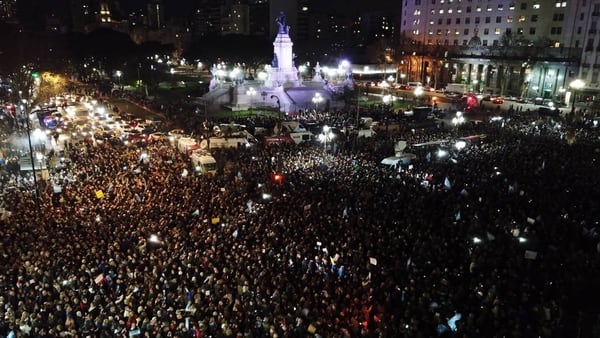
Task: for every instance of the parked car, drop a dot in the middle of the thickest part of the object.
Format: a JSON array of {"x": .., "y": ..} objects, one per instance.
[{"x": 498, "y": 100}]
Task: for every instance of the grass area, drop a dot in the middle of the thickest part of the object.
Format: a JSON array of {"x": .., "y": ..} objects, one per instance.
[{"x": 224, "y": 114}]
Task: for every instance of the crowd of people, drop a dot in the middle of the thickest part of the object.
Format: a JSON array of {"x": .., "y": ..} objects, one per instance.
[{"x": 499, "y": 239}]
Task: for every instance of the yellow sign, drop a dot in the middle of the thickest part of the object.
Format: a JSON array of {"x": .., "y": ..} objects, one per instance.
[
  {"x": 99, "y": 194},
  {"x": 215, "y": 220}
]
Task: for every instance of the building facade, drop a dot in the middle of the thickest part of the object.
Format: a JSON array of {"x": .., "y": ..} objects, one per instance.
[{"x": 529, "y": 48}]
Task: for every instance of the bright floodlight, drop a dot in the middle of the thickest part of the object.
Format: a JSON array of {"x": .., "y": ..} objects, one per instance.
[
  {"x": 442, "y": 153},
  {"x": 522, "y": 239},
  {"x": 154, "y": 239},
  {"x": 476, "y": 240}
]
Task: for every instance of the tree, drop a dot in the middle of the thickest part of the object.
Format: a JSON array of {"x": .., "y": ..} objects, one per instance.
[{"x": 50, "y": 85}]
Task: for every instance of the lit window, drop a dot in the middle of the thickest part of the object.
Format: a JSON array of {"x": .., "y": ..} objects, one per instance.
[
  {"x": 459, "y": 9},
  {"x": 497, "y": 31},
  {"x": 456, "y": 32},
  {"x": 563, "y": 4},
  {"x": 521, "y": 18},
  {"x": 511, "y": 7},
  {"x": 478, "y": 9},
  {"x": 557, "y": 5},
  {"x": 489, "y": 8},
  {"x": 536, "y": 6},
  {"x": 441, "y": 11},
  {"x": 432, "y": 22},
  {"x": 450, "y": 11},
  {"x": 509, "y": 19},
  {"x": 500, "y": 7}
]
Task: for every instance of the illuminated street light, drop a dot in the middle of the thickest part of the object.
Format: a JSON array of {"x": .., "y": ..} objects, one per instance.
[
  {"x": 119, "y": 74},
  {"x": 576, "y": 85},
  {"x": 317, "y": 98},
  {"x": 418, "y": 92},
  {"x": 326, "y": 136}
]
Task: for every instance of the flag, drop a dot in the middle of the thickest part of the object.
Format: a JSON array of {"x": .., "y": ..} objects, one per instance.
[{"x": 447, "y": 184}]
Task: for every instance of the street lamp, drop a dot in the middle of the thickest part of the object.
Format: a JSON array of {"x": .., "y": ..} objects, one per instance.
[
  {"x": 326, "y": 136},
  {"x": 317, "y": 98},
  {"x": 388, "y": 100},
  {"x": 418, "y": 92},
  {"x": 457, "y": 121},
  {"x": 119, "y": 73},
  {"x": 251, "y": 92},
  {"x": 576, "y": 85}
]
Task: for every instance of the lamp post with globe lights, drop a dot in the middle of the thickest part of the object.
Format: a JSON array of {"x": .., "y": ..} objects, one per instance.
[
  {"x": 119, "y": 74},
  {"x": 418, "y": 93},
  {"x": 317, "y": 98},
  {"x": 576, "y": 85},
  {"x": 326, "y": 136}
]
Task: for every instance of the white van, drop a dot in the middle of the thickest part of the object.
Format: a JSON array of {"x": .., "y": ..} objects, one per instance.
[
  {"x": 186, "y": 145},
  {"x": 203, "y": 162},
  {"x": 225, "y": 142},
  {"x": 302, "y": 136}
]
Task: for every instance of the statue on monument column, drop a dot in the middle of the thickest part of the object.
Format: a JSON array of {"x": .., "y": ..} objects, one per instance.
[
  {"x": 317, "y": 76},
  {"x": 283, "y": 28}
]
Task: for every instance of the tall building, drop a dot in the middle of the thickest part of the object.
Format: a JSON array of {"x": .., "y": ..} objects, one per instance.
[
  {"x": 207, "y": 18},
  {"x": 81, "y": 14},
  {"x": 525, "y": 48},
  {"x": 155, "y": 14},
  {"x": 237, "y": 20},
  {"x": 8, "y": 10}
]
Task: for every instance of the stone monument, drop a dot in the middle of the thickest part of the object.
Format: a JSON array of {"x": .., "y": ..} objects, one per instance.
[{"x": 283, "y": 72}]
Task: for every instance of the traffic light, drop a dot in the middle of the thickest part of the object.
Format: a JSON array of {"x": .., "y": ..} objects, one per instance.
[
  {"x": 277, "y": 178},
  {"x": 35, "y": 75}
]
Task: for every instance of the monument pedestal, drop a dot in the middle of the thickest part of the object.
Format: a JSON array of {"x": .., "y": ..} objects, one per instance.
[{"x": 283, "y": 71}]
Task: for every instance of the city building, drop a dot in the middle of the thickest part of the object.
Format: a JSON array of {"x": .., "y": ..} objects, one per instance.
[
  {"x": 528, "y": 48},
  {"x": 8, "y": 10},
  {"x": 155, "y": 14}
]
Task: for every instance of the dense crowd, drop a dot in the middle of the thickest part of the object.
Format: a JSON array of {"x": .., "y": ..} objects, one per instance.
[{"x": 499, "y": 240}]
